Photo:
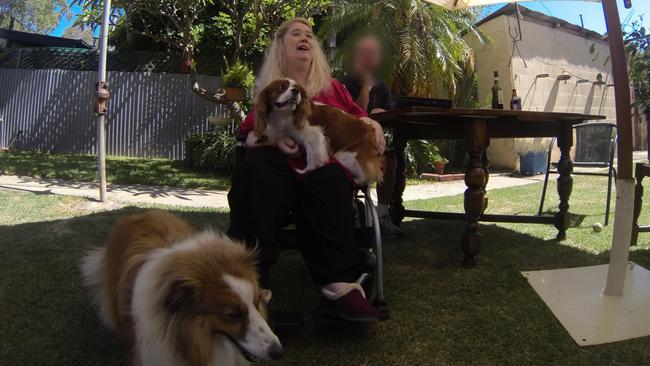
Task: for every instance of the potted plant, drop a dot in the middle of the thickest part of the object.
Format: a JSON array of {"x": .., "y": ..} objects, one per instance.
[
  {"x": 439, "y": 161},
  {"x": 237, "y": 78},
  {"x": 533, "y": 153}
]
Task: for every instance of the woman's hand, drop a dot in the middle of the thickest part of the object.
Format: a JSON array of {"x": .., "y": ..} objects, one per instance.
[
  {"x": 252, "y": 141},
  {"x": 289, "y": 148},
  {"x": 379, "y": 134},
  {"x": 377, "y": 110}
]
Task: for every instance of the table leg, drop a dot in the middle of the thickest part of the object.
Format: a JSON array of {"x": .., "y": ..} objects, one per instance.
[
  {"x": 564, "y": 181},
  {"x": 476, "y": 142},
  {"x": 485, "y": 161},
  {"x": 397, "y": 204}
]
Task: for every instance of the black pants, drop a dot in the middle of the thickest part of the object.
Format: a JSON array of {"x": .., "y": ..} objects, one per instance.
[{"x": 265, "y": 190}]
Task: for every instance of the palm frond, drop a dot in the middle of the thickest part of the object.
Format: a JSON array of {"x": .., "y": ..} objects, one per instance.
[{"x": 426, "y": 41}]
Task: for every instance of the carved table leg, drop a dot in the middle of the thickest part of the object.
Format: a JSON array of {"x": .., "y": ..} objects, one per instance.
[
  {"x": 564, "y": 181},
  {"x": 476, "y": 142},
  {"x": 397, "y": 204},
  {"x": 485, "y": 162},
  {"x": 638, "y": 203}
]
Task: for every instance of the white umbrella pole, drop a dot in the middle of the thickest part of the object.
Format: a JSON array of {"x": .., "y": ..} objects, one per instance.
[
  {"x": 102, "y": 96},
  {"x": 621, "y": 237}
]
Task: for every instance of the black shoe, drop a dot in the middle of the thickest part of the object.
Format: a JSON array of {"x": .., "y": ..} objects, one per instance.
[{"x": 388, "y": 228}]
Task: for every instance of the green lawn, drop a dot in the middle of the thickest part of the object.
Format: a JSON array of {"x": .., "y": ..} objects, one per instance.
[
  {"x": 119, "y": 170},
  {"x": 441, "y": 313}
]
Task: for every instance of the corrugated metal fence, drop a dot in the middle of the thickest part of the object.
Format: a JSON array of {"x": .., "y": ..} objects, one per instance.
[{"x": 148, "y": 114}]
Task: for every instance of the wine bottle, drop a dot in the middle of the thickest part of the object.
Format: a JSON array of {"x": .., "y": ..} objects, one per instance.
[{"x": 497, "y": 93}]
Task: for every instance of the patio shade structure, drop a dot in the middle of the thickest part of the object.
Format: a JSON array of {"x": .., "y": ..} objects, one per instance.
[{"x": 618, "y": 309}]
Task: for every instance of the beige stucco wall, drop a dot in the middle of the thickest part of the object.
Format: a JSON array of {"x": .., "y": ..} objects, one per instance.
[{"x": 546, "y": 50}]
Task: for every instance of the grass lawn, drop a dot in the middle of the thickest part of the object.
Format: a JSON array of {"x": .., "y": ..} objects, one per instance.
[
  {"x": 441, "y": 313},
  {"x": 119, "y": 170}
]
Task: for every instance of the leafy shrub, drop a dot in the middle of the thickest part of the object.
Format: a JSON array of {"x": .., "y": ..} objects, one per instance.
[
  {"x": 421, "y": 156},
  {"x": 526, "y": 145},
  {"x": 214, "y": 150},
  {"x": 638, "y": 46},
  {"x": 238, "y": 75}
]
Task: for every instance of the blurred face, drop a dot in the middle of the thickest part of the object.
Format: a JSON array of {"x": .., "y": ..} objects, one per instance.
[
  {"x": 368, "y": 55},
  {"x": 299, "y": 44}
]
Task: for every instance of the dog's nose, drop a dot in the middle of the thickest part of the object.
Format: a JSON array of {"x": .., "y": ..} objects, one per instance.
[
  {"x": 295, "y": 91},
  {"x": 276, "y": 351}
]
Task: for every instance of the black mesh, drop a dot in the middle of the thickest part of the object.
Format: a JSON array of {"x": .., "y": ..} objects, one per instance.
[{"x": 594, "y": 142}]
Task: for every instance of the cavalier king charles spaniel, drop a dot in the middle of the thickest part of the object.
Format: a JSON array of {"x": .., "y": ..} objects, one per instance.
[{"x": 283, "y": 109}]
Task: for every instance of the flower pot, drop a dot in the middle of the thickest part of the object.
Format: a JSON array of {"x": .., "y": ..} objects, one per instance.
[
  {"x": 533, "y": 163},
  {"x": 218, "y": 122},
  {"x": 234, "y": 94},
  {"x": 439, "y": 168}
]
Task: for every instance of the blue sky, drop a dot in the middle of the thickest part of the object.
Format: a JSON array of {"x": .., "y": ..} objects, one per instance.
[
  {"x": 64, "y": 23},
  {"x": 570, "y": 11}
]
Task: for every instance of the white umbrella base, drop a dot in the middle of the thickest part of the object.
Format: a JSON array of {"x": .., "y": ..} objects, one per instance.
[{"x": 575, "y": 296}]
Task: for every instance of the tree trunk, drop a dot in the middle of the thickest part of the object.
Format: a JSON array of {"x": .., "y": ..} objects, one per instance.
[{"x": 216, "y": 96}]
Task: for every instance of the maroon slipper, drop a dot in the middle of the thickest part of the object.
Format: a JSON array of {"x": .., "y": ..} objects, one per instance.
[{"x": 351, "y": 306}]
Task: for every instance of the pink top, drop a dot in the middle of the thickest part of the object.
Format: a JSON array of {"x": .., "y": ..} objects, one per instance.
[{"x": 336, "y": 96}]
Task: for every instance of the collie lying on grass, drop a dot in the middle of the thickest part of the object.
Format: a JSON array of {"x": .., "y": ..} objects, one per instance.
[{"x": 180, "y": 297}]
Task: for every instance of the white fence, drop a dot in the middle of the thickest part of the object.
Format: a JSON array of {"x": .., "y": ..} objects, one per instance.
[{"x": 148, "y": 114}]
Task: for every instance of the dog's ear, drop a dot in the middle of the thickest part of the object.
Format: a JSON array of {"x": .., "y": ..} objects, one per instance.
[
  {"x": 303, "y": 110},
  {"x": 180, "y": 294},
  {"x": 261, "y": 112}
]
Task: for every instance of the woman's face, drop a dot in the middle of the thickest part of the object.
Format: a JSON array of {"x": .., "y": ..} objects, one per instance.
[{"x": 299, "y": 43}]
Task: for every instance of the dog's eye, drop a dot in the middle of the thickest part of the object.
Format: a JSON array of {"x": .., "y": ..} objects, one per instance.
[{"x": 235, "y": 316}]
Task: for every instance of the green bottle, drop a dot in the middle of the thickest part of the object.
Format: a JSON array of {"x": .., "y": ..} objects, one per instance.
[{"x": 497, "y": 93}]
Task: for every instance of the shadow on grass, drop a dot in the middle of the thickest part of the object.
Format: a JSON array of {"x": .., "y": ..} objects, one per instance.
[
  {"x": 441, "y": 313},
  {"x": 135, "y": 190},
  {"x": 119, "y": 170}
]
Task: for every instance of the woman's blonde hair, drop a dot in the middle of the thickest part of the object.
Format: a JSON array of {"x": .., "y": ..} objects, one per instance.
[{"x": 275, "y": 66}]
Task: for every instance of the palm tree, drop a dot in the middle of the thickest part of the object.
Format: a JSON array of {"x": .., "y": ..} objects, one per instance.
[
  {"x": 429, "y": 53},
  {"x": 638, "y": 46}
]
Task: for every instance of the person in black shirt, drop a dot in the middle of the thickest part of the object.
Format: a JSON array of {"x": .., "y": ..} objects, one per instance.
[{"x": 374, "y": 96}]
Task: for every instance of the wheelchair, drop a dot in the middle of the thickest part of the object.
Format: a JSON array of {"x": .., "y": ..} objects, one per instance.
[{"x": 367, "y": 238}]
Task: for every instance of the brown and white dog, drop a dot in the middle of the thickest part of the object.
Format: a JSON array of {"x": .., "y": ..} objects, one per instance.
[
  {"x": 178, "y": 297},
  {"x": 283, "y": 109}
]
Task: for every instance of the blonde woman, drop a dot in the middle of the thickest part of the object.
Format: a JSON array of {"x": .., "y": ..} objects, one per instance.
[{"x": 265, "y": 188}]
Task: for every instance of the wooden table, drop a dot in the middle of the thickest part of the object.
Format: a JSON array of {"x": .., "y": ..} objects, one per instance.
[{"x": 477, "y": 127}]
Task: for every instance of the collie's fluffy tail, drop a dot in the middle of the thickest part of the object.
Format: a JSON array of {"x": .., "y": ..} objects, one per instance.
[{"x": 93, "y": 270}]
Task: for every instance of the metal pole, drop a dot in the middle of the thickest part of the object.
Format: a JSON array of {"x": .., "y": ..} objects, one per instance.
[
  {"x": 621, "y": 237},
  {"x": 101, "y": 112}
]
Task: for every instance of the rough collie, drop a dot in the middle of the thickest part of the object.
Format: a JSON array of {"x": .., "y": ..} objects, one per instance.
[
  {"x": 283, "y": 109},
  {"x": 178, "y": 297}
]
